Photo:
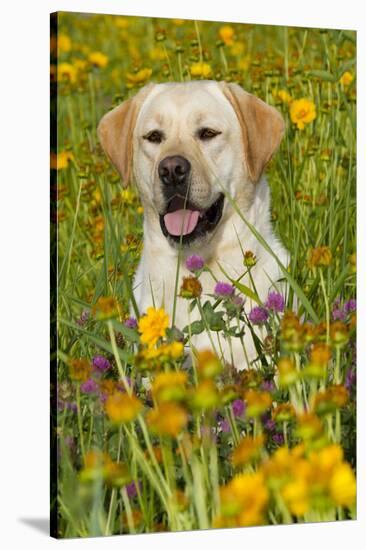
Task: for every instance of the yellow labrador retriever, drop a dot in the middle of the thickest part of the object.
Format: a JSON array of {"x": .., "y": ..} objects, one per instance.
[{"x": 189, "y": 147}]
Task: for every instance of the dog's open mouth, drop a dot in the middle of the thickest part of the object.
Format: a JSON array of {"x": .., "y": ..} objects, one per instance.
[{"x": 184, "y": 220}]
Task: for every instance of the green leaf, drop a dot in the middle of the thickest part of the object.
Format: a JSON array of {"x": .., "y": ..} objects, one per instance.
[
  {"x": 246, "y": 291},
  {"x": 241, "y": 287},
  {"x": 194, "y": 328},
  {"x": 323, "y": 75}
]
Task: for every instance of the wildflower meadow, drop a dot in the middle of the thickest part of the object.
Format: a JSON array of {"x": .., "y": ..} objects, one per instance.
[{"x": 150, "y": 433}]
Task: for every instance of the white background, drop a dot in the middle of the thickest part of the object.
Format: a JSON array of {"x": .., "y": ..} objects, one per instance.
[{"x": 24, "y": 269}]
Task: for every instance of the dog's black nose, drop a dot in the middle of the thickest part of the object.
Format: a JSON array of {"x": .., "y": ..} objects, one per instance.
[{"x": 174, "y": 170}]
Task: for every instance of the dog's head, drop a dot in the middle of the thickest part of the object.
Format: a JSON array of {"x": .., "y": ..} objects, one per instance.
[{"x": 186, "y": 144}]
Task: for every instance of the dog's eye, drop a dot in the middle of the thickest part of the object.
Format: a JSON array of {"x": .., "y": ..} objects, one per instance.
[
  {"x": 155, "y": 136},
  {"x": 207, "y": 133}
]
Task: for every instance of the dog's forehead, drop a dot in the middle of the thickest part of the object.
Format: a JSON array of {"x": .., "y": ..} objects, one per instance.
[{"x": 192, "y": 101}]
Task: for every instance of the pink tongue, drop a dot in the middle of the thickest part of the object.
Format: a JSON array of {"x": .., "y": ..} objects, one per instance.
[{"x": 181, "y": 221}]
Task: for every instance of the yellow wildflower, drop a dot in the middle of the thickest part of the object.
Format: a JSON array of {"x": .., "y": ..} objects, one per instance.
[
  {"x": 116, "y": 474},
  {"x": 95, "y": 464},
  {"x": 320, "y": 257},
  {"x": 283, "y": 412},
  {"x": 136, "y": 516},
  {"x": 191, "y": 288},
  {"x": 346, "y": 78},
  {"x": 226, "y": 34},
  {"x": 167, "y": 419},
  {"x": 201, "y": 69},
  {"x": 287, "y": 371},
  {"x": 66, "y": 72},
  {"x": 325, "y": 460},
  {"x": 257, "y": 402},
  {"x": 139, "y": 77},
  {"x": 329, "y": 400},
  {"x": 249, "y": 258},
  {"x": 121, "y": 22},
  {"x": 302, "y": 111},
  {"x": 174, "y": 350},
  {"x": 339, "y": 333},
  {"x": 153, "y": 325},
  {"x": 80, "y": 369},
  {"x": 245, "y": 497},
  {"x": 204, "y": 396},
  {"x": 122, "y": 408},
  {"x": 284, "y": 96},
  {"x": 343, "y": 485},
  {"x": 80, "y": 64},
  {"x": 244, "y": 63},
  {"x": 237, "y": 48},
  {"x": 157, "y": 54},
  {"x": 309, "y": 426},
  {"x": 107, "y": 386},
  {"x": 61, "y": 160},
  {"x": 180, "y": 500},
  {"x": 169, "y": 386},
  {"x": 320, "y": 353},
  {"x": 295, "y": 493},
  {"x": 106, "y": 307},
  {"x": 208, "y": 364},
  {"x": 64, "y": 43},
  {"x": 98, "y": 59},
  {"x": 95, "y": 458},
  {"x": 247, "y": 450}
]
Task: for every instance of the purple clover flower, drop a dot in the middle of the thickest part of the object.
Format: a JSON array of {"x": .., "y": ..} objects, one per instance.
[
  {"x": 89, "y": 386},
  {"x": 224, "y": 425},
  {"x": 194, "y": 262},
  {"x": 278, "y": 439},
  {"x": 131, "y": 322},
  {"x": 350, "y": 306},
  {"x": 270, "y": 424},
  {"x": 100, "y": 363},
  {"x": 238, "y": 301},
  {"x": 275, "y": 302},
  {"x": 338, "y": 314},
  {"x": 350, "y": 380},
  {"x": 258, "y": 315},
  {"x": 223, "y": 289},
  {"x": 267, "y": 385},
  {"x": 131, "y": 488},
  {"x": 238, "y": 407},
  {"x": 68, "y": 405}
]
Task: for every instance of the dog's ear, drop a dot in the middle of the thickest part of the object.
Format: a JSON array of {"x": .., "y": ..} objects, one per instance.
[
  {"x": 115, "y": 132},
  {"x": 262, "y": 127}
]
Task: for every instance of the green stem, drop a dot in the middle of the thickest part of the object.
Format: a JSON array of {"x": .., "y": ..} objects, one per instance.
[
  {"x": 121, "y": 371},
  {"x": 80, "y": 423},
  {"x": 127, "y": 506},
  {"x": 326, "y": 303}
]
